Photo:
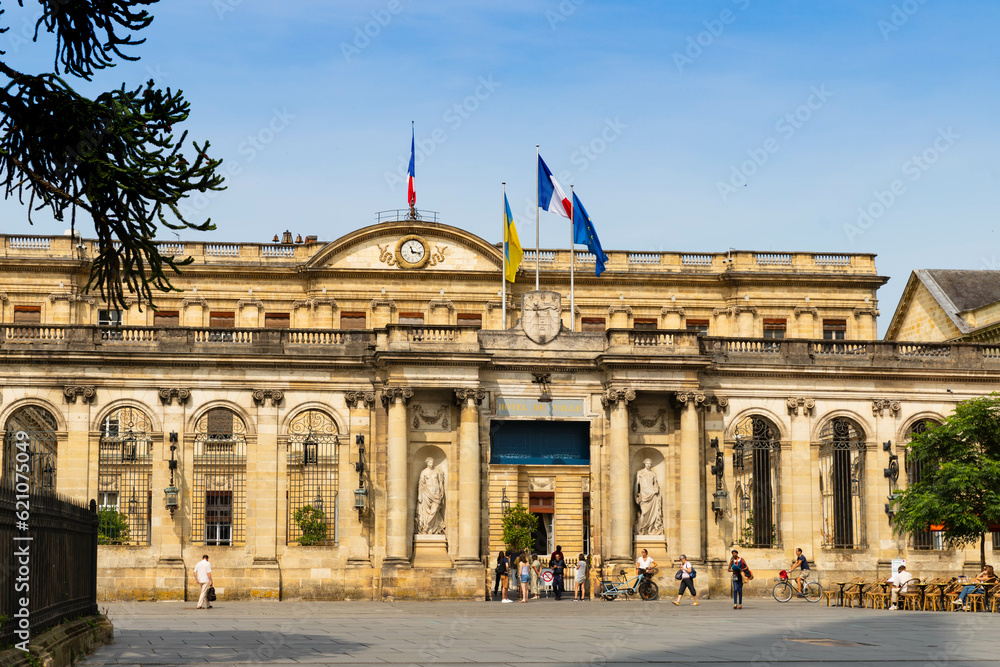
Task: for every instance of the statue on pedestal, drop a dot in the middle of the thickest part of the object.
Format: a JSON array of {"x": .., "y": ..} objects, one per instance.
[
  {"x": 647, "y": 496},
  {"x": 430, "y": 500}
]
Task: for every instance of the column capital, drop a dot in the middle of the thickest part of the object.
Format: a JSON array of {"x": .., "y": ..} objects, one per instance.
[
  {"x": 464, "y": 395},
  {"x": 86, "y": 393},
  {"x": 690, "y": 398},
  {"x": 352, "y": 398},
  {"x": 390, "y": 394},
  {"x": 794, "y": 404},
  {"x": 879, "y": 405},
  {"x": 611, "y": 397},
  {"x": 858, "y": 312},
  {"x": 275, "y": 396},
  {"x": 168, "y": 394},
  {"x": 714, "y": 402}
]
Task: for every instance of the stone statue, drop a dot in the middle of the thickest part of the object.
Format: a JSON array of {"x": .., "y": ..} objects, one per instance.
[
  {"x": 430, "y": 500},
  {"x": 647, "y": 496}
]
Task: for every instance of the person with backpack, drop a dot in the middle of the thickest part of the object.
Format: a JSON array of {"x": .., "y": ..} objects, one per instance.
[
  {"x": 503, "y": 566},
  {"x": 558, "y": 566},
  {"x": 740, "y": 569},
  {"x": 686, "y": 575}
]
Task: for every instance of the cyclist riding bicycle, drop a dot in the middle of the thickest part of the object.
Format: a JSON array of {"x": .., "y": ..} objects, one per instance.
[{"x": 803, "y": 565}]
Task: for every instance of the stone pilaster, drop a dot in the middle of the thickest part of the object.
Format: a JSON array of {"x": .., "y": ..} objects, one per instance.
[
  {"x": 357, "y": 530},
  {"x": 690, "y": 474},
  {"x": 395, "y": 399},
  {"x": 798, "y": 489},
  {"x": 168, "y": 529},
  {"x": 616, "y": 402},
  {"x": 886, "y": 413},
  {"x": 469, "y": 507}
]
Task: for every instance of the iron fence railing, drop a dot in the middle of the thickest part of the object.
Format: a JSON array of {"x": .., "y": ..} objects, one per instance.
[{"x": 52, "y": 563}]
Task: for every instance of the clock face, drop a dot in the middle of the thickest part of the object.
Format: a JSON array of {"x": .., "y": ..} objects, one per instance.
[{"x": 412, "y": 251}]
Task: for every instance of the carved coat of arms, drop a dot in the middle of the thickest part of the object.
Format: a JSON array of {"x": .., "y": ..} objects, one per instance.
[{"x": 541, "y": 316}]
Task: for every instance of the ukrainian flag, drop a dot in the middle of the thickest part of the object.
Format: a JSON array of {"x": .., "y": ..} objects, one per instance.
[{"x": 511, "y": 243}]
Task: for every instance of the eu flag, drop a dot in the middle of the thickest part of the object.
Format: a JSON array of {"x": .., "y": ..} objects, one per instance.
[{"x": 584, "y": 234}]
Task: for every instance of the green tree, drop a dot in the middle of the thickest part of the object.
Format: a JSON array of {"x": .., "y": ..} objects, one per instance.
[
  {"x": 115, "y": 158},
  {"x": 519, "y": 527},
  {"x": 112, "y": 527},
  {"x": 959, "y": 485},
  {"x": 312, "y": 522}
]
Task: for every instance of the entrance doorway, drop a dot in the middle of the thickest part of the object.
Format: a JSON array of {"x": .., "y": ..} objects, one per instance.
[{"x": 543, "y": 536}]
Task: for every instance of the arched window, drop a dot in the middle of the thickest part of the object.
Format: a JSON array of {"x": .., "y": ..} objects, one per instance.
[
  {"x": 842, "y": 484},
  {"x": 30, "y": 438},
  {"x": 921, "y": 539},
  {"x": 755, "y": 470},
  {"x": 312, "y": 479},
  {"x": 124, "y": 471},
  {"x": 220, "y": 469}
]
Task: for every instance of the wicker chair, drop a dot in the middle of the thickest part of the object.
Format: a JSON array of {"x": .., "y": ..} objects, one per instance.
[
  {"x": 853, "y": 592},
  {"x": 932, "y": 594},
  {"x": 911, "y": 598},
  {"x": 877, "y": 596},
  {"x": 951, "y": 592}
]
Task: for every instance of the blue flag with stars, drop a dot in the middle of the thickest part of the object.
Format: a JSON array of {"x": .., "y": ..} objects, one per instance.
[{"x": 584, "y": 234}]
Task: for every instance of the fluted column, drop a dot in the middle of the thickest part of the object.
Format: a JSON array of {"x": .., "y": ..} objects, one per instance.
[
  {"x": 395, "y": 542},
  {"x": 469, "y": 507},
  {"x": 690, "y": 473},
  {"x": 616, "y": 401}
]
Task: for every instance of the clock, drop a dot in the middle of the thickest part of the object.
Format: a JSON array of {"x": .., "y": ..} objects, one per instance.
[{"x": 411, "y": 252}]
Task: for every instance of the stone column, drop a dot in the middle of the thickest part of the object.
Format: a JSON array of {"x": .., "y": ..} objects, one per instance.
[
  {"x": 799, "y": 481},
  {"x": 690, "y": 474},
  {"x": 469, "y": 514},
  {"x": 168, "y": 528},
  {"x": 355, "y": 529},
  {"x": 877, "y": 486},
  {"x": 76, "y": 468},
  {"x": 398, "y": 436},
  {"x": 616, "y": 401}
]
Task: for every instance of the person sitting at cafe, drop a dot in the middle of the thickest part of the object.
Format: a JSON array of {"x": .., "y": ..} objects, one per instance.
[
  {"x": 900, "y": 582},
  {"x": 985, "y": 577}
]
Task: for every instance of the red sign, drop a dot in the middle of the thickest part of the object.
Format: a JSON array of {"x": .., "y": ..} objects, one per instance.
[{"x": 547, "y": 575}]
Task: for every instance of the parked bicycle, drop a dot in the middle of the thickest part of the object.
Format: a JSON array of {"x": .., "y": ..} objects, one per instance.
[
  {"x": 642, "y": 584},
  {"x": 785, "y": 590}
]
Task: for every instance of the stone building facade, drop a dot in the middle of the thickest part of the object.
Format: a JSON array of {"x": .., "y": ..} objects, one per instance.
[{"x": 318, "y": 398}]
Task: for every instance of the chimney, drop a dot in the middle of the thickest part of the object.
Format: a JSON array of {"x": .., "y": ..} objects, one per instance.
[{"x": 312, "y": 238}]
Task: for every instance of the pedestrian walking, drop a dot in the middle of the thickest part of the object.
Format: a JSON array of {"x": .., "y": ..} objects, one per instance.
[
  {"x": 536, "y": 573},
  {"x": 524, "y": 574},
  {"x": 581, "y": 577},
  {"x": 739, "y": 569},
  {"x": 203, "y": 576},
  {"x": 558, "y": 566},
  {"x": 686, "y": 574}
]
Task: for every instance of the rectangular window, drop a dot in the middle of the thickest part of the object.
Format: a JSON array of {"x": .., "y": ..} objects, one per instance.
[
  {"x": 644, "y": 324},
  {"x": 470, "y": 320},
  {"x": 352, "y": 320},
  {"x": 166, "y": 318},
  {"x": 107, "y": 500},
  {"x": 698, "y": 326},
  {"x": 218, "y": 518},
  {"x": 775, "y": 329},
  {"x": 592, "y": 324},
  {"x": 27, "y": 314},
  {"x": 834, "y": 329},
  {"x": 109, "y": 318},
  {"x": 222, "y": 320},
  {"x": 542, "y": 502},
  {"x": 416, "y": 319},
  {"x": 277, "y": 320}
]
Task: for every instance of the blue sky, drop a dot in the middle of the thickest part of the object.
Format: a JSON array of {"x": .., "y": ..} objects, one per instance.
[{"x": 694, "y": 126}]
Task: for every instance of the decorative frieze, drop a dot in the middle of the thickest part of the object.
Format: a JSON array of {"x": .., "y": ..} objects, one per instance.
[
  {"x": 87, "y": 394},
  {"x": 263, "y": 396},
  {"x": 167, "y": 395},
  {"x": 639, "y": 423},
  {"x": 541, "y": 484},
  {"x": 804, "y": 404},
  {"x": 611, "y": 397},
  {"x": 477, "y": 395},
  {"x": 390, "y": 394},
  {"x": 431, "y": 420},
  {"x": 879, "y": 405},
  {"x": 352, "y": 398}
]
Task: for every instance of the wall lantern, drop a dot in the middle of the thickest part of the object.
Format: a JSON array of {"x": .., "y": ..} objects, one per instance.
[
  {"x": 172, "y": 494},
  {"x": 504, "y": 502},
  {"x": 543, "y": 380},
  {"x": 360, "y": 500},
  {"x": 317, "y": 502},
  {"x": 360, "y": 493}
]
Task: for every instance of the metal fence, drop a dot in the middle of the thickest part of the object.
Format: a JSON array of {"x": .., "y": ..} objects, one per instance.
[{"x": 53, "y": 563}]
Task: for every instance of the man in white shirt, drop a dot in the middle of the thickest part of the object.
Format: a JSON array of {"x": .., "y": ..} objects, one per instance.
[
  {"x": 899, "y": 582},
  {"x": 644, "y": 562},
  {"x": 203, "y": 576}
]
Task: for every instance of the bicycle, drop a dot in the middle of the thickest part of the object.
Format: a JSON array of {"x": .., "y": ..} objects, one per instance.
[
  {"x": 784, "y": 590},
  {"x": 642, "y": 584}
]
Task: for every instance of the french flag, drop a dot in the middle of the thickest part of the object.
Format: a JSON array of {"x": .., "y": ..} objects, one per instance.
[
  {"x": 411, "y": 192},
  {"x": 550, "y": 194}
]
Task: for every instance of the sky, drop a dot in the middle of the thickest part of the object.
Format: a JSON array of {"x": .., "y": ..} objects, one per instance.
[{"x": 845, "y": 126}]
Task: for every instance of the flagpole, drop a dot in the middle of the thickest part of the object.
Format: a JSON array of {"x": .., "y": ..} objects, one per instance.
[
  {"x": 537, "y": 185},
  {"x": 572, "y": 263},
  {"x": 503, "y": 269}
]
